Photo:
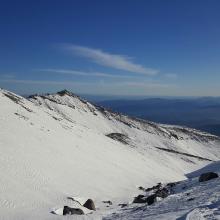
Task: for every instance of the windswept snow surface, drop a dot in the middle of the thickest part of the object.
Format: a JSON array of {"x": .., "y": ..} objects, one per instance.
[
  {"x": 191, "y": 200},
  {"x": 55, "y": 146}
]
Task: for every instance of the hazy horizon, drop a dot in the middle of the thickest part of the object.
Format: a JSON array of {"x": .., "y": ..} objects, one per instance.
[{"x": 103, "y": 97}]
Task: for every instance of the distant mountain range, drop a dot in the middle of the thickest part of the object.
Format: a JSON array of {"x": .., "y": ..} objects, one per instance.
[{"x": 199, "y": 113}]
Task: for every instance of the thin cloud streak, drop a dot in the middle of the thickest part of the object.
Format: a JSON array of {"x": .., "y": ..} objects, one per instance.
[
  {"x": 115, "y": 61},
  {"x": 81, "y": 73},
  {"x": 101, "y": 83},
  {"x": 42, "y": 82}
]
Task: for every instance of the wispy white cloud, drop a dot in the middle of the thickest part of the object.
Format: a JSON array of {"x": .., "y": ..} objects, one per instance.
[
  {"x": 42, "y": 82},
  {"x": 138, "y": 84},
  {"x": 81, "y": 73},
  {"x": 115, "y": 61}
]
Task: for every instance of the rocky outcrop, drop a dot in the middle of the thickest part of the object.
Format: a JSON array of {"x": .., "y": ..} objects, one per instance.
[
  {"x": 119, "y": 137},
  {"x": 182, "y": 153},
  {"x": 140, "y": 199},
  {"x": 157, "y": 191},
  {"x": 162, "y": 193},
  {"x": 207, "y": 176}
]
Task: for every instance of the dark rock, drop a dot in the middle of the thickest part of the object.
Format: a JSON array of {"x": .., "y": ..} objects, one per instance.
[
  {"x": 174, "y": 135},
  {"x": 18, "y": 100},
  {"x": 64, "y": 92},
  {"x": 163, "y": 193},
  {"x": 139, "y": 199},
  {"x": 207, "y": 176},
  {"x": 13, "y": 97},
  {"x": 141, "y": 188},
  {"x": 72, "y": 211},
  {"x": 171, "y": 184},
  {"x": 89, "y": 204},
  {"x": 108, "y": 202},
  {"x": 158, "y": 186},
  {"x": 119, "y": 137},
  {"x": 190, "y": 199},
  {"x": 159, "y": 191},
  {"x": 123, "y": 205},
  {"x": 148, "y": 189},
  {"x": 151, "y": 199}
]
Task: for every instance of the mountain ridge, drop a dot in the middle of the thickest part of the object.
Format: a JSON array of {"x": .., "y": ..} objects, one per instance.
[
  {"x": 58, "y": 146},
  {"x": 198, "y": 113}
]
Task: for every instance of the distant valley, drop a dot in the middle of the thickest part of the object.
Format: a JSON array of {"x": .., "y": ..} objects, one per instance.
[{"x": 199, "y": 113}]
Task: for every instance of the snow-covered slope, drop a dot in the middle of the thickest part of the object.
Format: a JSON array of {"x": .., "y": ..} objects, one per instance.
[
  {"x": 189, "y": 200},
  {"x": 58, "y": 146}
]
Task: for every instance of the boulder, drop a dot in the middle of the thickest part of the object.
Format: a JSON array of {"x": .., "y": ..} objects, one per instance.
[
  {"x": 140, "y": 199},
  {"x": 207, "y": 176},
  {"x": 151, "y": 199},
  {"x": 89, "y": 204},
  {"x": 72, "y": 211}
]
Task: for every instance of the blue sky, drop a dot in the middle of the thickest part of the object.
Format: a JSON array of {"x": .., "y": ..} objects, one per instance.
[{"x": 111, "y": 47}]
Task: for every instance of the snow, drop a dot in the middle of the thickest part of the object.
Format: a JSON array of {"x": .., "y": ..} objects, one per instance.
[
  {"x": 191, "y": 200},
  {"x": 55, "y": 147}
]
